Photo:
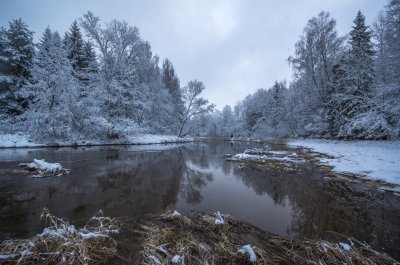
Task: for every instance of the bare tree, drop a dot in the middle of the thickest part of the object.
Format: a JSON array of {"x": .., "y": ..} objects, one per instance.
[{"x": 195, "y": 104}]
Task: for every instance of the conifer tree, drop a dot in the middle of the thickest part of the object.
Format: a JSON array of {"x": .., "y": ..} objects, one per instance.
[
  {"x": 20, "y": 48},
  {"x": 75, "y": 47},
  {"x": 360, "y": 65},
  {"x": 354, "y": 74},
  {"x": 16, "y": 53},
  {"x": 359, "y": 116},
  {"x": 171, "y": 82},
  {"x": 53, "y": 113}
]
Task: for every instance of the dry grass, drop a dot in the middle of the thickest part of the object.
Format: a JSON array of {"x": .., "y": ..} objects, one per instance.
[
  {"x": 198, "y": 240},
  {"x": 62, "y": 243},
  {"x": 194, "y": 237}
]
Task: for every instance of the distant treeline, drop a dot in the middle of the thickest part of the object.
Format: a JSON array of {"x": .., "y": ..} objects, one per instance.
[{"x": 344, "y": 86}]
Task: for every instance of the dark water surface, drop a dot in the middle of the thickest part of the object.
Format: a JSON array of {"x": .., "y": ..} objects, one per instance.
[{"x": 136, "y": 180}]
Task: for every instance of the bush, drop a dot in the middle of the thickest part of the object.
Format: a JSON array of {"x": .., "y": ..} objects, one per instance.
[{"x": 369, "y": 126}]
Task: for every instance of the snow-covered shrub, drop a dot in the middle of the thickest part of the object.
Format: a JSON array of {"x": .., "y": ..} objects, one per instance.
[
  {"x": 368, "y": 125},
  {"x": 52, "y": 126},
  {"x": 99, "y": 127}
]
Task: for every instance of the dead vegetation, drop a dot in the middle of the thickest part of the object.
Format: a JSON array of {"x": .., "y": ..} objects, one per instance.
[
  {"x": 197, "y": 239},
  {"x": 174, "y": 238},
  {"x": 62, "y": 243}
]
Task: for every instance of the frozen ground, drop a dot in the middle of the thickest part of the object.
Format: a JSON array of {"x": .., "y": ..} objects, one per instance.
[
  {"x": 378, "y": 160},
  {"x": 20, "y": 140},
  {"x": 16, "y": 140}
]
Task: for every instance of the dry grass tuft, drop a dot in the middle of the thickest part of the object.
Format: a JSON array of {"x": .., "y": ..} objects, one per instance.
[
  {"x": 174, "y": 238},
  {"x": 201, "y": 241},
  {"x": 62, "y": 243}
]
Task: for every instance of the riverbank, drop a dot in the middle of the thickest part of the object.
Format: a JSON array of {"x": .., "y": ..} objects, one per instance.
[
  {"x": 374, "y": 160},
  {"x": 22, "y": 140},
  {"x": 175, "y": 238}
]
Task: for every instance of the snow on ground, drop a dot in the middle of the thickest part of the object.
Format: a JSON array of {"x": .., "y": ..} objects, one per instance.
[
  {"x": 219, "y": 220},
  {"x": 156, "y": 139},
  {"x": 16, "y": 140},
  {"x": 45, "y": 166},
  {"x": 378, "y": 160},
  {"x": 176, "y": 259},
  {"x": 345, "y": 246},
  {"x": 249, "y": 250},
  {"x": 20, "y": 140},
  {"x": 257, "y": 154}
]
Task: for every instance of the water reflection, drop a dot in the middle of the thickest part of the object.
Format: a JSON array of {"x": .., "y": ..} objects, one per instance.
[{"x": 137, "y": 180}]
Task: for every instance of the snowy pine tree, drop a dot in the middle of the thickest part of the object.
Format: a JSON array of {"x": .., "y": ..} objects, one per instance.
[
  {"x": 20, "y": 49},
  {"x": 52, "y": 115},
  {"x": 171, "y": 82},
  {"x": 278, "y": 108},
  {"x": 16, "y": 53},
  {"x": 361, "y": 118},
  {"x": 360, "y": 64},
  {"x": 74, "y": 45}
]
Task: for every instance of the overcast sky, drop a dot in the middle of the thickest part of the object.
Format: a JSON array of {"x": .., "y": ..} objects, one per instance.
[{"x": 233, "y": 46}]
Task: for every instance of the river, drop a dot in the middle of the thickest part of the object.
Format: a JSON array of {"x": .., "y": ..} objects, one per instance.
[{"x": 137, "y": 180}]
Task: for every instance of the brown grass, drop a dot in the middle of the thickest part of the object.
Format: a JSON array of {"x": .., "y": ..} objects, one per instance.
[
  {"x": 62, "y": 243},
  {"x": 199, "y": 240},
  {"x": 194, "y": 236}
]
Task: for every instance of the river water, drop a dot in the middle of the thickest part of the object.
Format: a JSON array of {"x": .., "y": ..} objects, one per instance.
[{"x": 137, "y": 180}]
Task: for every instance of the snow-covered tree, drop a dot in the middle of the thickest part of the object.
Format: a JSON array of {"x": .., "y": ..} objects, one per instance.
[
  {"x": 18, "y": 49},
  {"x": 317, "y": 51},
  {"x": 195, "y": 104},
  {"x": 171, "y": 82},
  {"x": 52, "y": 115},
  {"x": 16, "y": 53},
  {"x": 278, "y": 108},
  {"x": 387, "y": 64},
  {"x": 352, "y": 98},
  {"x": 360, "y": 65},
  {"x": 131, "y": 79},
  {"x": 74, "y": 45}
]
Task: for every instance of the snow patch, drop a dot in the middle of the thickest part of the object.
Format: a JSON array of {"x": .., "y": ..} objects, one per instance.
[
  {"x": 249, "y": 250},
  {"x": 345, "y": 246},
  {"x": 219, "y": 220},
  {"x": 155, "y": 260},
  {"x": 264, "y": 154},
  {"x": 377, "y": 160},
  {"x": 175, "y": 214},
  {"x": 16, "y": 140},
  {"x": 176, "y": 259},
  {"x": 21, "y": 140},
  {"x": 44, "y": 168},
  {"x": 6, "y": 257}
]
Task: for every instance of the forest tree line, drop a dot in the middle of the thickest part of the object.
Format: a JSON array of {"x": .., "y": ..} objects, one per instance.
[
  {"x": 108, "y": 86},
  {"x": 344, "y": 87}
]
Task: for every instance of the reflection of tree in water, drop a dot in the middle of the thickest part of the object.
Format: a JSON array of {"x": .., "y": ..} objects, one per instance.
[
  {"x": 200, "y": 155},
  {"x": 193, "y": 179},
  {"x": 320, "y": 206},
  {"x": 145, "y": 182},
  {"x": 197, "y": 161}
]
